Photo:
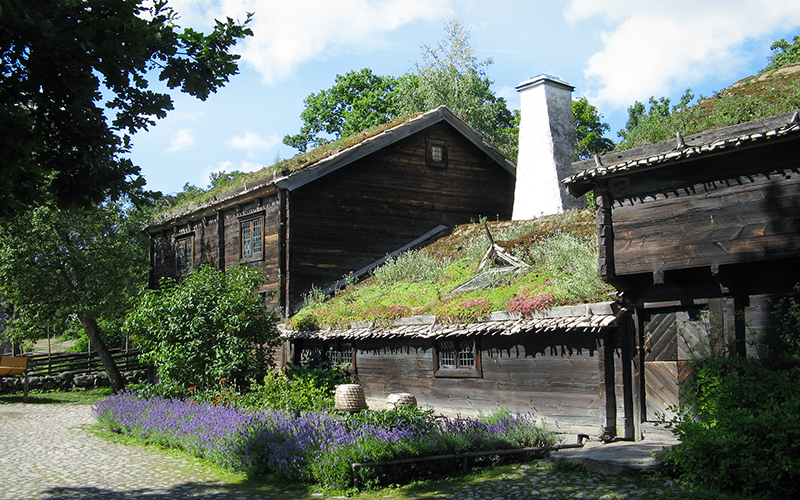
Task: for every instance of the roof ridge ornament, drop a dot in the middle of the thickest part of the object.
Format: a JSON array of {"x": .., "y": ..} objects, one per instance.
[
  {"x": 795, "y": 117},
  {"x": 597, "y": 161}
]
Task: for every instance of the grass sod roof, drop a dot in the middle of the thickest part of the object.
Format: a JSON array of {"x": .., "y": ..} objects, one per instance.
[
  {"x": 756, "y": 97},
  {"x": 753, "y": 110},
  {"x": 561, "y": 256},
  {"x": 735, "y": 137},
  {"x": 342, "y": 150}
]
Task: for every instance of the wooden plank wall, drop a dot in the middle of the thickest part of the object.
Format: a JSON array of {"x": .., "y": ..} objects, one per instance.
[
  {"x": 210, "y": 240},
  {"x": 561, "y": 377},
  {"x": 721, "y": 210},
  {"x": 354, "y": 216}
]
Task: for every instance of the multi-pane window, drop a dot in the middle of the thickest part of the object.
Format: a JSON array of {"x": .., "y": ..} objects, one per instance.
[
  {"x": 185, "y": 252},
  {"x": 457, "y": 358},
  {"x": 252, "y": 238},
  {"x": 340, "y": 353},
  {"x": 436, "y": 154},
  {"x": 456, "y": 354}
]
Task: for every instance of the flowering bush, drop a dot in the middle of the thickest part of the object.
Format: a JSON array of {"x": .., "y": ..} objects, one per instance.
[
  {"x": 525, "y": 301},
  {"x": 467, "y": 310},
  {"x": 387, "y": 312},
  {"x": 314, "y": 446}
]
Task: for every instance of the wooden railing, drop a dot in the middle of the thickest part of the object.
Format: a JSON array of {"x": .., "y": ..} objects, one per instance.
[{"x": 80, "y": 363}]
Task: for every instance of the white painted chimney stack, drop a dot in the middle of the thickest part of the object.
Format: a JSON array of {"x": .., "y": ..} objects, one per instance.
[{"x": 546, "y": 148}]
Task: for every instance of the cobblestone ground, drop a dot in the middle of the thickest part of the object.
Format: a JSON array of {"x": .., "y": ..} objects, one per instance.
[{"x": 46, "y": 453}]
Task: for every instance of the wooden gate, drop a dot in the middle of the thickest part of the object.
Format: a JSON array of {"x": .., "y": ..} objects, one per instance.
[{"x": 670, "y": 339}]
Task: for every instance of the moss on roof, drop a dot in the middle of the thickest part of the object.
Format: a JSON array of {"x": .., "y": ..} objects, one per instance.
[
  {"x": 297, "y": 162},
  {"x": 759, "y": 96},
  {"x": 560, "y": 251}
]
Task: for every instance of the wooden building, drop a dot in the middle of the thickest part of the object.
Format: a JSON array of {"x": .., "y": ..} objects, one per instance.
[
  {"x": 564, "y": 364},
  {"x": 344, "y": 211},
  {"x": 699, "y": 234}
]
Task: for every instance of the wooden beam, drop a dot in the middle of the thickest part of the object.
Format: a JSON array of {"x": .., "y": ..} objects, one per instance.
[{"x": 366, "y": 269}]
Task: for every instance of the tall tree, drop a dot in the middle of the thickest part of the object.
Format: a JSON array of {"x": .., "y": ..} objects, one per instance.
[
  {"x": 86, "y": 262},
  {"x": 358, "y": 100},
  {"x": 589, "y": 129},
  {"x": 64, "y": 63},
  {"x": 784, "y": 53},
  {"x": 450, "y": 74}
]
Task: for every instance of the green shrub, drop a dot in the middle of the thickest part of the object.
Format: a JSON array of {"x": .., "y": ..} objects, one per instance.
[
  {"x": 295, "y": 388},
  {"x": 740, "y": 429},
  {"x": 416, "y": 266},
  {"x": 211, "y": 325}
]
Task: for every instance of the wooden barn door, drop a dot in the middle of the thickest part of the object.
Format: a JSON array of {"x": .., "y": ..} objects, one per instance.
[{"x": 670, "y": 338}]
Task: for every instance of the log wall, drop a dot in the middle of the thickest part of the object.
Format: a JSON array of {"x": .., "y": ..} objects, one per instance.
[
  {"x": 217, "y": 242},
  {"x": 714, "y": 211},
  {"x": 561, "y": 377},
  {"x": 356, "y": 215}
]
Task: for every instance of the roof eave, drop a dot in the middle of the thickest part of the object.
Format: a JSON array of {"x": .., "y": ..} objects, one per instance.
[
  {"x": 704, "y": 144},
  {"x": 390, "y": 136}
]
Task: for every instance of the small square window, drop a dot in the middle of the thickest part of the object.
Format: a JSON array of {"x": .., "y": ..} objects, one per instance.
[
  {"x": 457, "y": 358},
  {"x": 340, "y": 353},
  {"x": 436, "y": 153}
]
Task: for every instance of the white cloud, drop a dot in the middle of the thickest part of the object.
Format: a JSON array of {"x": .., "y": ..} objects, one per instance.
[
  {"x": 288, "y": 33},
  {"x": 180, "y": 140},
  {"x": 253, "y": 142},
  {"x": 656, "y": 47},
  {"x": 226, "y": 166}
]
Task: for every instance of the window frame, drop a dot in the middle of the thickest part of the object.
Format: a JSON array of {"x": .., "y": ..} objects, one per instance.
[
  {"x": 344, "y": 349},
  {"x": 248, "y": 221},
  {"x": 430, "y": 144},
  {"x": 179, "y": 241},
  {"x": 470, "y": 371}
]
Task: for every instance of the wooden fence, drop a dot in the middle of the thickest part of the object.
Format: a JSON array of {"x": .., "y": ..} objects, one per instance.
[{"x": 80, "y": 363}]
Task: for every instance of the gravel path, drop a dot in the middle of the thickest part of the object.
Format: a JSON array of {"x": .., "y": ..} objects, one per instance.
[{"x": 47, "y": 453}]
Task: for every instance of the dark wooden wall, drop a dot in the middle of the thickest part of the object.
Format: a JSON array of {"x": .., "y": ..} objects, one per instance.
[
  {"x": 217, "y": 243},
  {"x": 713, "y": 211},
  {"x": 356, "y": 215},
  {"x": 569, "y": 379}
]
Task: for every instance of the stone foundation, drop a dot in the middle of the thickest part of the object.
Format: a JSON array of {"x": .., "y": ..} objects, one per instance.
[{"x": 68, "y": 380}]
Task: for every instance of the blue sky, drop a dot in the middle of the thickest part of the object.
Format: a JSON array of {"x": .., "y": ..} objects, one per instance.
[{"x": 613, "y": 51}]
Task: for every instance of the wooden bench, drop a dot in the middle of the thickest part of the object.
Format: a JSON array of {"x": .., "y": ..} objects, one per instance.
[{"x": 11, "y": 366}]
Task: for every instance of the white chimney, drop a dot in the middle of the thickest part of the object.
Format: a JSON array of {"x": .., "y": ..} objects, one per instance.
[{"x": 546, "y": 148}]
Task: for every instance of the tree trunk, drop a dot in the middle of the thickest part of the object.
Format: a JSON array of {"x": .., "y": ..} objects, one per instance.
[{"x": 93, "y": 332}]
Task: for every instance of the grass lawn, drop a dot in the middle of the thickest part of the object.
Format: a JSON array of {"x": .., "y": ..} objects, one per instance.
[{"x": 77, "y": 396}]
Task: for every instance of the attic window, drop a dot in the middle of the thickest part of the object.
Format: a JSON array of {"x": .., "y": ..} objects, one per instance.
[{"x": 436, "y": 155}]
